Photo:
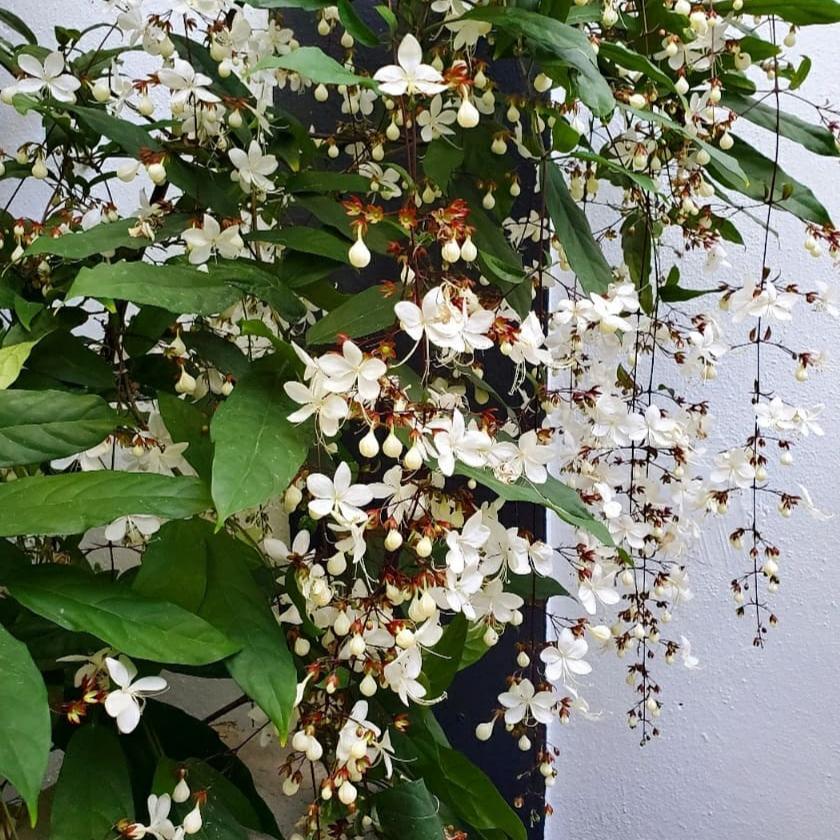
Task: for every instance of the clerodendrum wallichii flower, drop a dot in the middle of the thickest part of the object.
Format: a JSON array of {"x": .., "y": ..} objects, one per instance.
[{"x": 226, "y": 452}]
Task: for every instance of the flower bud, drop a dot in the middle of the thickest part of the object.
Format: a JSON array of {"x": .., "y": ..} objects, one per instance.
[
  {"x": 392, "y": 447},
  {"x": 393, "y": 540},
  {"x": 682, "y": 86},
  {"x": 468, "y": 115},
  {"x": 524, "y": 743},
  {"x": 181, "y": 792},
  {"x": 186, "y": 384},
  {"x": 323, "y": 27},
  {"x": 341, "y": 625},
  {"x": 523, "y": 660},
  {"x": 321, "y": 93},
  {"x": 451, "y": 251},
  {"x": 423, "y": 547},
  {"x": 498, "y": 146},
  {"x": 413, "y": 458},
  {"x": 302, "y": 646},
  {"x": 485, "y": 730},
  {"x": 359, "y": 254},
  {"x": 156, "y": 172},
  {"x": 314, "y": 751},
  {"x": 369, "y": 445},
  {"x": 192, "y": 822},
  {"x": 490, "y": 637},
  {"x": 368, "y": 686},
  {"x": 347, "y": 793},
  {"x": 101, "y": 90},
  {"x": 357, "y": 646},
  {"x": 542, "y": 83},
  {"x": 726, "y": 142},
  {"x": 405, "y": 638},
  {"x": 393, "y": 131},
  {"x": 347, "y": 42}
]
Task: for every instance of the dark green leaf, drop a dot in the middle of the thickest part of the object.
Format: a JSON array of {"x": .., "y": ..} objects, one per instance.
[
  {"x": 93, "y": 791},
  {"x": 408, "y": 811},
  {"x": 815, "y": 138},
  {"x": 800, "y": 12},
  {"x": 319, "y": 243},
  {"x": 559, "y": 42},
  {"x": 210, "y": 574},
  {"x": 146, "y": 628},
  {"x": 17, "y": 25},
  {"x": 630, "y": 60},
  {"x": 553, "y": 495},
  {"x": 250, "y": 468},
  {"x": 38, "y": 426},
  {"x": 177, "y": 288},
  {"x": 365, "y": 313},
  {"x": 533, "y": 586},
  {"x": 74, "y": 502},
  {"x": 441, "y": 663},
  {"x": 24, "y": 721},
  {"x": 324, "y": 181},
  {"x": 351, "y": 21},
  {"x": 789, "y": 194},
  {"x": 441, "y": 160},
  {"x": 572, "y": 229},
  {"x": 187, "y": 423}
]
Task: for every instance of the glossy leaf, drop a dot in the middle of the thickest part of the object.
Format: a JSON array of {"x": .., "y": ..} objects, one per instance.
[
  {"x": 441, "y": 663},
  {"x": 12, "y": 359},
  {"x": 553, "y": 495},
  {"x": 249, "y": 469},
  {"x": 93, "y": 791},
  {"x": 72, "y": 503},
  {"x": 177, "y": 288},
  {"x": 572, "y": 229},
  {"x": 408, "y": 811},
  {"x": 354, "y": 24},
  {"x": 210, "y": 574},
  {"x": 24, "y": 721},
  {"x": 815, "y": 138},
  {"x": 313, "y": 63},
  {"x": 800, "y": 12},
  {"x": 368, "y": 312},
  {"x": 147, "y": 628},
  {"x": 187, "y": 423},
  {"x": 38, "y": 426},
  {"x": 559, "y": 42}
]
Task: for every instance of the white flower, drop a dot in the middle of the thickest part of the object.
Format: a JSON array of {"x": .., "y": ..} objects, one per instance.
[
  {"x": 126, "y": 702},
  {"x": 691, "y": 662},
  {"x": 597, "y": 586},
  {"x": 734, "y": 467},
  {"x": 440, "y": 322},
  {"x": 564, "y": 659},
  {"x": 410, "y": 76},
  {"x": 210, "y": 238},
  {"x": 253, "y": 168},
  {"x": 160, "y": 826},
  {"x": 186, "y": 84},
  {"x": 522, "y": 699},
  {"x": 135, "y": 527},
  {"x": 495, "y": 602},
  {"x": 401, "y": 675},
  {"x": 352, "y": 370},
  {"x": 534, "y": 457},
  {"x": 464, "y": 546},
  {"x": 49, "y": 75},
  {"x": 314, "y": 398},
  {"x": 454, "y": 440},
  {"x": 435, "y": 121},
  {"x": 338, "y": 497}
]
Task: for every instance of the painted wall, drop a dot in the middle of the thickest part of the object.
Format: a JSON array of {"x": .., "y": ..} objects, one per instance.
[{"x": 750, "y": 744}]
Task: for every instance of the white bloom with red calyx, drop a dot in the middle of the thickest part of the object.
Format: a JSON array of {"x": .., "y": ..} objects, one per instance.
[
  {"x": 329, "y": 408},
  {"x": 351, "y": 369},
  {"x": 493, "y": 601},
  {"x": 523, "y": 702},
  {"x": 734, "y": 467},
  {"x": 435, "y": 317},
  {"x": 401, "y": 675},
  {"x": 453, "y": 440},
  {"x": 464, "y": 545},
  {"x": 186, "y": 84},
  {"x": 564, "y": 659},
  {"x": 49, "y": 75},
  {"x": 253, "y": 168},
  {"x": 210, "y": 239},
  {"x": 338, "y": 497},
  {"x": 358, "y": 739},
  {"x": 765, "y": 301},
  {"x": 410, "y": 76},
  {"x": 126, "y": 702},
  {"x": 598, "y": 586}
]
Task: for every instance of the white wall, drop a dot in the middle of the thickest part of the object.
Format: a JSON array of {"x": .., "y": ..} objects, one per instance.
[{"x": 750, "y": 744}]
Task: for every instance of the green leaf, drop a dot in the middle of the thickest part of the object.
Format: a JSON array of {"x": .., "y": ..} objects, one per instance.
[
  {"x": 129, "y": 136},
  {"x": 66, "y": 358},
  {"x": 177, "y": 288},
  {"x": 800, "y": 12},
  {"x": 319, "y": 243},
  {"x": 72, "y": 503},
  {"x": 553, "y": 495},
  {"x": 314, "y": 64},
  {"x": 187, "y": 423},
  {"x": 535, "y": 587},
  {"x": 309, "y": 5},
  {"x": 789, "y": 194},
  {"x": 559, "y": 42},
  {"x": 17, "y": 25},
  {"x": 441, "y": 663},
  {"x": 351, "y": 21},
  {"x": 368, "y": 312},
  {"x": 210, "y": 574},
  {"x": 639, "y": 178},
  {"x": 318, "y": 181},
  {"x": 12, "y": 359},
  {"x": 815, "y": 138},
  {"x": 572, "y": 229},
  {"x": 38, "y": 426},
  {"x": 441, "y": 160},
  {"x": 630, "y": 60},
  {"x": 146, "y": 628},
  {"x": 93, "y": 791},
  {"x": 100, "y": 239},
  {"x": 25, "y": 735},
  {"x": 257, "y": 450},
  {"x": 408, "y": 811}
]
